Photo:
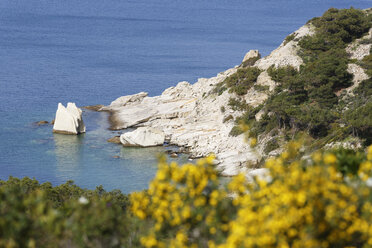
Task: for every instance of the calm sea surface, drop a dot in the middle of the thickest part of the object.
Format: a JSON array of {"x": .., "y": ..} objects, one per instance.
[{"x": 91, "y": 52}]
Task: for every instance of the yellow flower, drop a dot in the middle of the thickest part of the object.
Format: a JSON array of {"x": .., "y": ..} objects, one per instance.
[
  {"x": 330, "y": 159},
  {"x": 369, "y": 153},
  {"x": 253, "y": 142}
]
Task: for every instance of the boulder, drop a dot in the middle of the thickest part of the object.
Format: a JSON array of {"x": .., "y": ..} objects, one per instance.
[
  {"x": 173, "y": 155},
  {"x": 143, "y": 137},
  {"x": 39, "y": 123},
  {"x": 68, "y": 120},
  {"x": 286, "y": 53},
  {"x": 252, "y": 54},
  {"x": 264, "y": 79},
  {"x": 359, "y": 75},
  {"x": 358, "y": 49},
  {"x": 115, "y": 140}
]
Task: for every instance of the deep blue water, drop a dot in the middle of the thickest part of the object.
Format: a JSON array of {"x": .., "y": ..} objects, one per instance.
[{"x": 91, "y": 52}]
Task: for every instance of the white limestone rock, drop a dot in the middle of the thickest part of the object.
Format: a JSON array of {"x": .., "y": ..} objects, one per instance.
[
  {"x": 255, "y": 98},
  {"x": 359, "y": 76},
  {"x": 125, "y": 100},
  {"x": 143, "y": 137},
  {"x": 251, "y": 54},
  {"x": 261, "y": 174},
  {"x": 69, "y": 120},
  {"x": 360, "y": 48},
  {"x": 190, "y": 117},
  {"x": 264, "y": 79},
  {"x": 286, "y": 53}
]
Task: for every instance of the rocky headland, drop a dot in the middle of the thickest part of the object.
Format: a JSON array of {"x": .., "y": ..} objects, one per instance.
[{"x": 198, "y": 119}]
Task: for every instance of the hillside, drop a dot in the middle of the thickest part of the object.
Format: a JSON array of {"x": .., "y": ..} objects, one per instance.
[{"x": 315, "y": 86}]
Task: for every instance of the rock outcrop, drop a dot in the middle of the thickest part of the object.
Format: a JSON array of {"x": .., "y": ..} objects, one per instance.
[
  {"x": 143, "y": 137},
  {"x": 357, "y": 50},
  {"x": 68, "y": 120},
  {"x": 358, "y": 76},
  {"x": 286, "y": 53},
  {"x": 251, "y": 54},
  {"x": 191, "y": 116},
  {"x": 124, "y": 100}
]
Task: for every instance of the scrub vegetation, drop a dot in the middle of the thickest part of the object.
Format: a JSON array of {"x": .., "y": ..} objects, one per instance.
[{"x": 312, "y": 98}]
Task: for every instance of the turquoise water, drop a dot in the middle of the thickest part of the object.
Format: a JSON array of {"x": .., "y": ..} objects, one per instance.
[{"x": 91, "y": 52}]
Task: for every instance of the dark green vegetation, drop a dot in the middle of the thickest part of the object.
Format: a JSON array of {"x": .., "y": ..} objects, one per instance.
[
  {"x": 250, "y": 61},
  {"x": 39, "y": 215},
  {"x": 239, "y": 82},
  {"x": 312, "y": 99},
  {"x": 242, "y": 80},
  {"x": 289, "y": 38}
]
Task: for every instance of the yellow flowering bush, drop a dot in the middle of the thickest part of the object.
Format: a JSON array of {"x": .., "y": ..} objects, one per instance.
[
  {"x": 306, "y": 203},
  {"x": 310, "y": 205},
  {"x": 186, "y": 204}
]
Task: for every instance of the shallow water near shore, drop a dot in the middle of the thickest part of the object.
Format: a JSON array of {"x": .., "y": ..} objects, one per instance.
[{"x": 91, "y": 52}]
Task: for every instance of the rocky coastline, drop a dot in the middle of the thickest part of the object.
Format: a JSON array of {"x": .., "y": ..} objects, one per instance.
[{"x": 198, "y": 120}]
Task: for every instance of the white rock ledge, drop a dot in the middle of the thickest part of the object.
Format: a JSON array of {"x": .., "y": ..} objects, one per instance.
[
  {"x": 143, "y": 137},
  {"x": 69, "y": 120}
]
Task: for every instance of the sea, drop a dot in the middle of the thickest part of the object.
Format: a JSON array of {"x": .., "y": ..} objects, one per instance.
[{"x": 93, "y": 51}]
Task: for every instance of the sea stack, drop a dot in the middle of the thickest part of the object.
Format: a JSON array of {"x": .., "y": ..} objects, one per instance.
[{"x": 69, "y": 120}]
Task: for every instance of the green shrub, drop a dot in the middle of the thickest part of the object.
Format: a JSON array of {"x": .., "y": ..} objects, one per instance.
[
  {"x": 228, "y": 118},
  {"x": 39, "y": 215},
  {"x": 348, "y": 160},
  {"x": 271, "y": 145},
  {"x": 235, "y": 131},
  {"x": 241, "y": 81},
  {"x": 289, "y": 38},
  {"x": 237, "y": 104},
  {"x": 261, "y": 88},
  {"x": 342, "y": 24},
  {"x": 360, "y": 120},
  {"x": 282, "y": 74},
  {"x": 219, "y": 88},
  {"x": 364, "y": 90},
  {"x": 250, "y": 62}
]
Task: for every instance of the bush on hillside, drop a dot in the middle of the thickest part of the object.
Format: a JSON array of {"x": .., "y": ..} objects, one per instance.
[{"x": 241, "y": 81}]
